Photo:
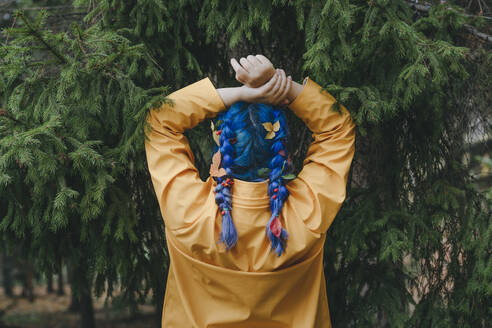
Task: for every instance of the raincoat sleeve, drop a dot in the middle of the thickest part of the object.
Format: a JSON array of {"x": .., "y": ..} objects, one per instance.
[
  {"x": 320, "y": 187},
  {"x": 179, "y": 190}
]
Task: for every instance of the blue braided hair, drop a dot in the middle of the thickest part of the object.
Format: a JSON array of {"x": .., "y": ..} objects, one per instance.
[{"x": 248, "y": 155}]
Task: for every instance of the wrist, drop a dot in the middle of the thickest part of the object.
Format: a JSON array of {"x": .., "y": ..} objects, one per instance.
[
  {"x": 294, "y": 91},
  {"x": 237, "y": 94},
  {"x": 230, "y": 95},
  {"x": 244, "y": 94}
]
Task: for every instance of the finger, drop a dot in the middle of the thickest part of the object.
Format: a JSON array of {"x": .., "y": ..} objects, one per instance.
[
  {"x": 263, "y": 59},
  {"x": 280, "y": 96},
  {"x": 281, "y": 87},
  {"x": 283, "y": 100},
  {"x": 245, "y": 63},
  {"x": 236, "y": 66},
  {"x": 270, "y": 84},
  {"x": 274, "y": 89},
  {"x": 241, "y": 74},
  {"x": 253, "y": 60}
]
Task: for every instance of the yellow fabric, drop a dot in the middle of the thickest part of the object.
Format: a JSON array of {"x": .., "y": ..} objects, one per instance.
[{"x": 249, "y": 286}]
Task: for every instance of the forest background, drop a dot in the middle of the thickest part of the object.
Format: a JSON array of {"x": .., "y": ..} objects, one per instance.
[{"x": 411, "y": 246}]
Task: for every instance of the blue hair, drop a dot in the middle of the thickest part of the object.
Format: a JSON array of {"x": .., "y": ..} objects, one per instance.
[{"x": 248, "y": 155}]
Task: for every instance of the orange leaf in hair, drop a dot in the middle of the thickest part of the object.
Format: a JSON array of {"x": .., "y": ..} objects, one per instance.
[{"x": 215, "y": 171}]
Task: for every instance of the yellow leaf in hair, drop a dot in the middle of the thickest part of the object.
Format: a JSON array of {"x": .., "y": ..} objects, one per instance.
[
  {"x": 271, "y": 129},
  {"x": 215, "y": 171},
  {"x": 276, "y": 126},
  {"x": 268, "y": 126},
  {"x": 214, "y": 134}
]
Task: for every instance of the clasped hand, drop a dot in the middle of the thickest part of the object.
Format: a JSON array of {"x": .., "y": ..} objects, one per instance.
[{"x": 261, "y": 82}]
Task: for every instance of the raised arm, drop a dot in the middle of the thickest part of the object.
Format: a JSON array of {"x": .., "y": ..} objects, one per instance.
[
  {"x": 169, "y": 157},
  {"x": 321, "y": 185}
]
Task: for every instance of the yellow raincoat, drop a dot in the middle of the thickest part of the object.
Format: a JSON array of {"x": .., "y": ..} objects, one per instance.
[{"x": 248, "y": 286}]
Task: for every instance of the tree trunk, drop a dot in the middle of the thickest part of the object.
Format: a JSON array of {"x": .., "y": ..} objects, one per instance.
[
  {"x": 27, "y": 275},
  {"x": 74, "y": 304},
  {"x": 49, "y": 283},
  {"x": 61, "y": 283},
  {"x": 82, "y": 290},
  {"x": 74, "y": 301},
  {"x": 7, "y": 275},
  {"x": 86, "y": 310},
  {"x": 158, "y": 311}
]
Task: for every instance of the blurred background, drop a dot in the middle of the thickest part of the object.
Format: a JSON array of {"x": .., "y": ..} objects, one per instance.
[{"x": 82, "y": 239}]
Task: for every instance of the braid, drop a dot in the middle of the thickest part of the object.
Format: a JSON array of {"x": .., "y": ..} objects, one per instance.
[
  {"x": 228, "y": 235},
  {"x": 248, "y": 153},
  {"x": 278, "y": 194}
]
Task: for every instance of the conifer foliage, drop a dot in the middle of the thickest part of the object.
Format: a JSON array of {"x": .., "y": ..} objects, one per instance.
[
  {"x": 411, "y": 245},
  {"x": 73, "y": 181}
]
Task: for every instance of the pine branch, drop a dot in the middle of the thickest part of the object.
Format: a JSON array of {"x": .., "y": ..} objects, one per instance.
[
  {"x": 36, "y": 33},
  {"x": 479, "y": 34},
  {"x": 426, "y": 8},
  {"x": 49, "y": 8},
  {"x": 4, "y": 113}
]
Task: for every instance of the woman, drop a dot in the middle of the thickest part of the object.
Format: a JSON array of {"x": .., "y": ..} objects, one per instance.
[{"x": 246, "y": 245}]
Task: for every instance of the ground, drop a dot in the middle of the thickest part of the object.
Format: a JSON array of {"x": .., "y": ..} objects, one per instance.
[{"x": 50, "y": 310}]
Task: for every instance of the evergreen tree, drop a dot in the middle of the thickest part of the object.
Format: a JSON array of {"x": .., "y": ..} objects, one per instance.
[
  {"x": 411, "y": 245},
  {"x": 73, "y": 180}
]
